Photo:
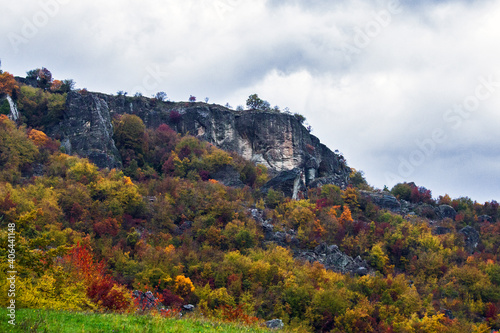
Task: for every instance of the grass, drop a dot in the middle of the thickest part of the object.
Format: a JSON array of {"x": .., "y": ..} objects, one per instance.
[{"x": 28, "y": 320}]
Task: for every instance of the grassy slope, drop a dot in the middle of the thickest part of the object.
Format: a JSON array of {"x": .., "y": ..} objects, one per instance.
[{"x": 28, "y": 320}]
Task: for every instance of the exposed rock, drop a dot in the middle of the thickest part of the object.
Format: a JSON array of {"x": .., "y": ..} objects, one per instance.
[
  {"x": 446, "y": 211},
  {"x": 188, "y": 307},
  {"x": 383, "y": 200},
  {"x": 146, "y": 300},
  {"x": 228, "y": 176},
  {"x": 275, "y": 324},
  {"x": 186, "y": 225},
  {"x": 277, "y": 140},
  {"x": 334, "y": 259},
  {"x": 472, "y": 238},
  {"x": 282, "y": 238},
  {"x": 484, "y": 218},
  {"x": 289, "y": 182},
  {"x": 86, "y": 130}
]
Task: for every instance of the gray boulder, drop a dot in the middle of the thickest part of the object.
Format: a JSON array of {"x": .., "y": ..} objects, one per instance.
[
  {"x": 275, "y": 324},
  {"x": 188, "y": 307},
  {"x": 446, "y": 211},
  {"x": 383, "y": 200}
]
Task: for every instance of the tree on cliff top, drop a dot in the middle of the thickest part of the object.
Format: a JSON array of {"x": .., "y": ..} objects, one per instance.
[{"x": 254, "y": 102}]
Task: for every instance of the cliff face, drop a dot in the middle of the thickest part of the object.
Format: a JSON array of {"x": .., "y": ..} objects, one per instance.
[
  {"x": 277, "y": 140},
  {"x": 86, "y": 130}
]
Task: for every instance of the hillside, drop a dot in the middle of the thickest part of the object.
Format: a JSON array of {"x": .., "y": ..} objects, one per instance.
[{"x": 129, "y": 204}]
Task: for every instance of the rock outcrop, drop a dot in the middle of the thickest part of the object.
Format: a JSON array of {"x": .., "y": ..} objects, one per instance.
[
  {"x": 334, "y": 259},
  {"x": 328, "y": 255},
  {"x": 384, "y": 200},
  {"x": 86, "y": 130},
  {"x": 472, "y": 238},
  {"x": 277, "y": 140}
]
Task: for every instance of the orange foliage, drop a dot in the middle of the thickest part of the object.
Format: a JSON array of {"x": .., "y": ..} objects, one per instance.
[
  {"x": 39, "y": 138},
  {"x": 346, "y": 215},
  {"x": 236, "y": 314},
  {"x": 56, "y": 85},
  {"x": 8, "y": 84}
]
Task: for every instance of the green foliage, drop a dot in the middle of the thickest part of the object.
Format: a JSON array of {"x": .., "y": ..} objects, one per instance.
[
  {"x": 16, "y": 150},
  {"x": 39, "y": 108},
  {"x": 4, "y": 107},
  {"x": 402, "y": 191},
  {"x": 129, "y": 138},
  {"x": 255, "y": 103}
]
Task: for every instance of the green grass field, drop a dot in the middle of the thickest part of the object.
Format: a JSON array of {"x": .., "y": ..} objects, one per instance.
[{"x": 28, "y": 320}]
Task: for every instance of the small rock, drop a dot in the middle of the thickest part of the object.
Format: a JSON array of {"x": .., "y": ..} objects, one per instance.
[
  {"x": 361, "y": 271},
  {"x": 188, "y": 307},
  {"x": 275, "y": 324}
]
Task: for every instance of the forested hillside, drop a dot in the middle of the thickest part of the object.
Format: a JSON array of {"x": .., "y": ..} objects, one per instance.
[{"x": 90, "y": 239}]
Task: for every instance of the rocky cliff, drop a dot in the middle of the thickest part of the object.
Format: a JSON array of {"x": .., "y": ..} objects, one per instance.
[{"x": 277, "y": 140}]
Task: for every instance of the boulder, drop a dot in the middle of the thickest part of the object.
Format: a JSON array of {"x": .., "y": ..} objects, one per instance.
[
  {"x": 188, "y": 307},
  {"x": 275, "y": 324},
  {"x": 383, "y": 200},
  {"x": 446, "y": 211}
]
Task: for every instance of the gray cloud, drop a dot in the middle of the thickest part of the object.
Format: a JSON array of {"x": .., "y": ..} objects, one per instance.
[{"x": 373, "y": 82}]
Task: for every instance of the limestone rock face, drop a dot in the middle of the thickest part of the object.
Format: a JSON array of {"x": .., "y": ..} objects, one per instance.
[
  {"x": 86, "y": 130},
  {"x": 277, "y": 140}
]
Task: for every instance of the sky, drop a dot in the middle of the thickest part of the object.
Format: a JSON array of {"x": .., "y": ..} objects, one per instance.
[{"x": 405, "y": 90}]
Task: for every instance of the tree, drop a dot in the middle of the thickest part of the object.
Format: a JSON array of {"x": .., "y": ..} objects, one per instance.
[
  {"x": 43, "y": 77},
  {"x": 161, "y": 96},
  {"x": 129, "y": 138},
  {"x": 8, "y": 85},
  {"x": 255, "y": 103}
]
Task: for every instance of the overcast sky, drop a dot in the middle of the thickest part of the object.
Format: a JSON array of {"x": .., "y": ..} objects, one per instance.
[{"x": 407, "y": 91}]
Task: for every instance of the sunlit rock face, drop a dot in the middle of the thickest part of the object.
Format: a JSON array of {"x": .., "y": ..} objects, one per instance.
[{"x": 277, "y": 140}]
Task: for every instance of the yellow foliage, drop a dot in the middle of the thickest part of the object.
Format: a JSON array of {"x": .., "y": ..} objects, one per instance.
[
  {"x": 49, "y": 292},
  {"x": 378, "y": 257},
  {"x": 127, "y": 180},
  {"x": 183, "y": 286}
]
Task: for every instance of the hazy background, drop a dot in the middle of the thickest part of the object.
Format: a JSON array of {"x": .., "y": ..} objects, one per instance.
[{"x": 407, "y": 91}]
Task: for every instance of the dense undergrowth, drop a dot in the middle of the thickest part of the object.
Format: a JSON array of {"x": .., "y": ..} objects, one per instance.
[{"x": 85, "y": 238}]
